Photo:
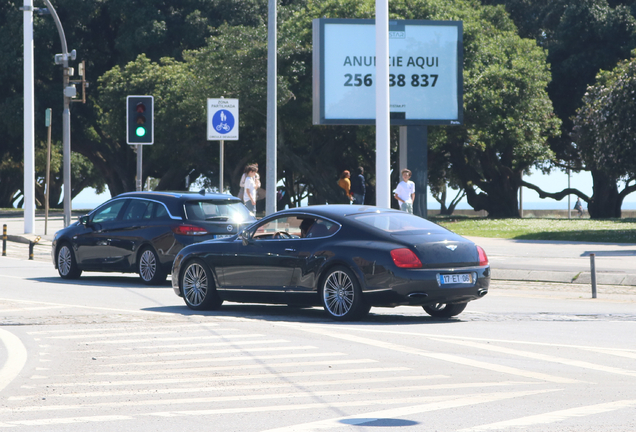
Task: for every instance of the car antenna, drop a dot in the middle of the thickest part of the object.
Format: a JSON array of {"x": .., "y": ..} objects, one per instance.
[{"x": 202, "y": 191}]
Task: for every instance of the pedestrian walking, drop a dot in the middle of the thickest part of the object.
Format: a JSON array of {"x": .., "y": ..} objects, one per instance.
[
  {"x": 345, "y": 184},
  {"x": 579, "y": 206},
  {"x": 249, "y": 195},
  {"x": 405, "y": 192},
  {"x": 358, "y": 187}
]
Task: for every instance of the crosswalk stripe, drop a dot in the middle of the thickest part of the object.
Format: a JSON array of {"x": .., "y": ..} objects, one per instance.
[
  {"x": 427, "y": 406},
  {"x": 542, "y": 357},
  {"x": 232, "y": 378},
  {"x": 555, "y": 416}
]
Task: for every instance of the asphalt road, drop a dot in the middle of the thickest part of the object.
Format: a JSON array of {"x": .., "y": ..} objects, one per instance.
[{"x": 106, "y": 352}]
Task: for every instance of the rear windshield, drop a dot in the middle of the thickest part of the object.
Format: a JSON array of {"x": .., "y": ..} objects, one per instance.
[
  {"x": 222, "y": 211},
  {"x": 398, "y": 223}
]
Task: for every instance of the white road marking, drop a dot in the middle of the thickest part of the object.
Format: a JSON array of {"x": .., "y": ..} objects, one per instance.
[
  {"x": 211, "y": 352},
  {"x": 542, "y": 357},
  {"x": 232, "y": 378},
  {"x": 555, "y": 416},
  {"x": 252, "y": 397},
  {"x": 168, "y": 339},
  {"x": 16, "y": 358},
  {"x": 165, "y": 371},
  {"x": 69, "y": 420},
  {"x": 432, "y": 403},
  {"x": 361, "y": 419},
  {"x": 252, "y": 387},
  {"x": 72, "y": 306},
  {"x": 225, "y": 359},
  {"x": 439, "y": 356},
  {"x": 116, "y": 329}
]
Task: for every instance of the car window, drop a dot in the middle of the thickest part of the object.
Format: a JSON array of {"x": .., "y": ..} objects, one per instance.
[
  {"x": 136, "y": 210},
  {"x": 108, "y": 212},
  {"x": 231, "y": 211},
  {"x": 398, "y": 222},
  {"x": 157, "y": 211},
  {"x": 287, "y": 227}
]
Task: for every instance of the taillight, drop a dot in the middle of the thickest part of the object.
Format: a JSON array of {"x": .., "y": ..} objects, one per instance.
[
  {"x": 190, "y": 230},
  {"x": 483, "y": 259},
  {"x": 405, "y": 258}
]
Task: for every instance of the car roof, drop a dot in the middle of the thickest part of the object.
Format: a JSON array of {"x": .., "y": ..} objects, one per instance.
[
  {"x": 178, "y": 195},
  {"x": 337, "y": 211}
]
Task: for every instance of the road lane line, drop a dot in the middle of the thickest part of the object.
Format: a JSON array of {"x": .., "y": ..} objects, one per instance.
[
  {"x": 176, "y": 338},
  {"x": 206, "y": 352},
  {"x": 232, "y": 378},
  {"x": 69, "y": 420},
  {"x": 225, "y": 359},
  {"x": 16, "y": 358},
  {"x": 361, "y": 419},
  {"x": 264, "y": 386},
  {"x": 244, "y": 398},
  {"x": 542, "y": 357},
  {"x": 438, "y": 356},
  {"x": 555, "y": 416},
  {"x": 165, "y": 371},
  {"x": 114, "y": 329}
]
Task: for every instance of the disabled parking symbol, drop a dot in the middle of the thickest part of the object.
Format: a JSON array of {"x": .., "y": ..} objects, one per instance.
[{"x": 223, "y": 121}]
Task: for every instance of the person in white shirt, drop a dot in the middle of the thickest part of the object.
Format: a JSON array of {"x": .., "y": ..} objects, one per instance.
[
  {"x": 405, "y": 192},
  {"x": 249, "y": 194}
]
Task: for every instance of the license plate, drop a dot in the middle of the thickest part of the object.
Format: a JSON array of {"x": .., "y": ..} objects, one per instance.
[
  {"x": 223, "y": 236},
  {"x": 459, "y": 278}
]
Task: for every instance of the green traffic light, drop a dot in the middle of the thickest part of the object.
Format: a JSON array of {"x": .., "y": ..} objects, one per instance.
[{"x": 140, "y": 131}]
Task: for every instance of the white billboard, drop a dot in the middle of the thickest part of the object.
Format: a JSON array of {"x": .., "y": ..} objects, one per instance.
[{"x": 425, "y": 72}]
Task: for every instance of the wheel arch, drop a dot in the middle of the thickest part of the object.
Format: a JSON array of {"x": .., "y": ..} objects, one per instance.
[{"x": 337, "y": 262}]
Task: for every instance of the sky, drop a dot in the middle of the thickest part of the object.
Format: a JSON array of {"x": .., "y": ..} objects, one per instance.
[{"x": 554, "y": 182}]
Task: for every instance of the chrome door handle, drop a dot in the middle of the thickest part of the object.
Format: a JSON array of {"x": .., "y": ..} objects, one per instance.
[{"x": 290, "y": 250}]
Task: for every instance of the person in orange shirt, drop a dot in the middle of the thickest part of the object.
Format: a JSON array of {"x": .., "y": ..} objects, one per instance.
[{"x": 345, "y": 183}]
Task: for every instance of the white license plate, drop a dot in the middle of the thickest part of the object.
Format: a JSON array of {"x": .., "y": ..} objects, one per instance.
[
  {"x": 460, "y": 278},
  {"x": 223, "y": 236}
]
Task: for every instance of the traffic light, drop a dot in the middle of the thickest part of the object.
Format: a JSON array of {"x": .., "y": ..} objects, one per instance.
[{"x": 140, "y": 120}]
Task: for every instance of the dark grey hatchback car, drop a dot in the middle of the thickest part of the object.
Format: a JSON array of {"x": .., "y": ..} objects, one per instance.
[{"x": 142, "y": 232}]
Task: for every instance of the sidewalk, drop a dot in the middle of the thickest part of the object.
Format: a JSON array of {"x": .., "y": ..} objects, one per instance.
[{"x": 510, "y": 260}]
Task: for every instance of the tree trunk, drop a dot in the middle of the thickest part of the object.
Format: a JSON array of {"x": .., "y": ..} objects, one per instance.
[{"x": 606, "y": 202}]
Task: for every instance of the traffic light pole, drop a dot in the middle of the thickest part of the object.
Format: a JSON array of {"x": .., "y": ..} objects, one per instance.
[{"x": 139, "y": 166}]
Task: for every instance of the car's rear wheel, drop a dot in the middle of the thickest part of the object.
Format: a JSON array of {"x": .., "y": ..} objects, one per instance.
[
  {"x": 66, "y": 263},
  {"x": 149, "y": 267},
  {"x": 444, "y": 310},
  {"x": 341, "y": 295},
  {"x": 197, "y": 286}
]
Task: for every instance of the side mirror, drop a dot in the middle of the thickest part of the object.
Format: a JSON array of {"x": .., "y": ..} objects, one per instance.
[
  {"x": 245, "y": 237},
  {"x": 84, "y": 220}
]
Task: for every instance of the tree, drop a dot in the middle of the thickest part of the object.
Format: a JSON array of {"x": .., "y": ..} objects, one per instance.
[{"x": 605, "y": 134}]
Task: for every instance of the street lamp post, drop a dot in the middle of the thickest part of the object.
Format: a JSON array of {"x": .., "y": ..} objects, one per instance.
[{"x": 69, "y": 92}]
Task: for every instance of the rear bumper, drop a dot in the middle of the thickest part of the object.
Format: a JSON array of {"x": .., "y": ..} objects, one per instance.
[{"x": 423, "y": 287}]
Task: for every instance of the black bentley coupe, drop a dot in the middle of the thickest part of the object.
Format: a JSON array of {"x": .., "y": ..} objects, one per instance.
[{"x": 346, "y": 258}]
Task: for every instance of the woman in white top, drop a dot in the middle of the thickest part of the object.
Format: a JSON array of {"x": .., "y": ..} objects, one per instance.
[
  {"x": 405, "y": 192},
  {"x": 249, "y": 189}
]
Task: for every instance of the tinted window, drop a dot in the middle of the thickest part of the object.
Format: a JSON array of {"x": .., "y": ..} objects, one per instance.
[
  {"x": 217, "y": 211},
  {"x": 295, "y": 227},
  {"x": 108, "y": 212},
  {"x": 136, "y": 210},
  {"x": 397, "y": 223},
  {"x": 160, "y": 212}
]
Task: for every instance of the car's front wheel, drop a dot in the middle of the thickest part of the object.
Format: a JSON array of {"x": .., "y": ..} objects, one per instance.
[
  {"x": 444, "y": 310},
  {"x": 341, "y": 295},
  {"x": 66, "y": 263},
  {"x": 197, "y": 286},
  {"x": 149, "y": 268}
]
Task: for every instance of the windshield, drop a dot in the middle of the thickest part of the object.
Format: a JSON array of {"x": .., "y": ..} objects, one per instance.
[
  {"x": 398, "y": 223},
  {"x": 221, "y": 211}
]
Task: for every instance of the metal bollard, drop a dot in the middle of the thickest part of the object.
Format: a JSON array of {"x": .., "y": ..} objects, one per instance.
[
  {"x": 593, "y": 274},
  {"x": 4, "y": 240},
  {"x": 31, "y": 250}
]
